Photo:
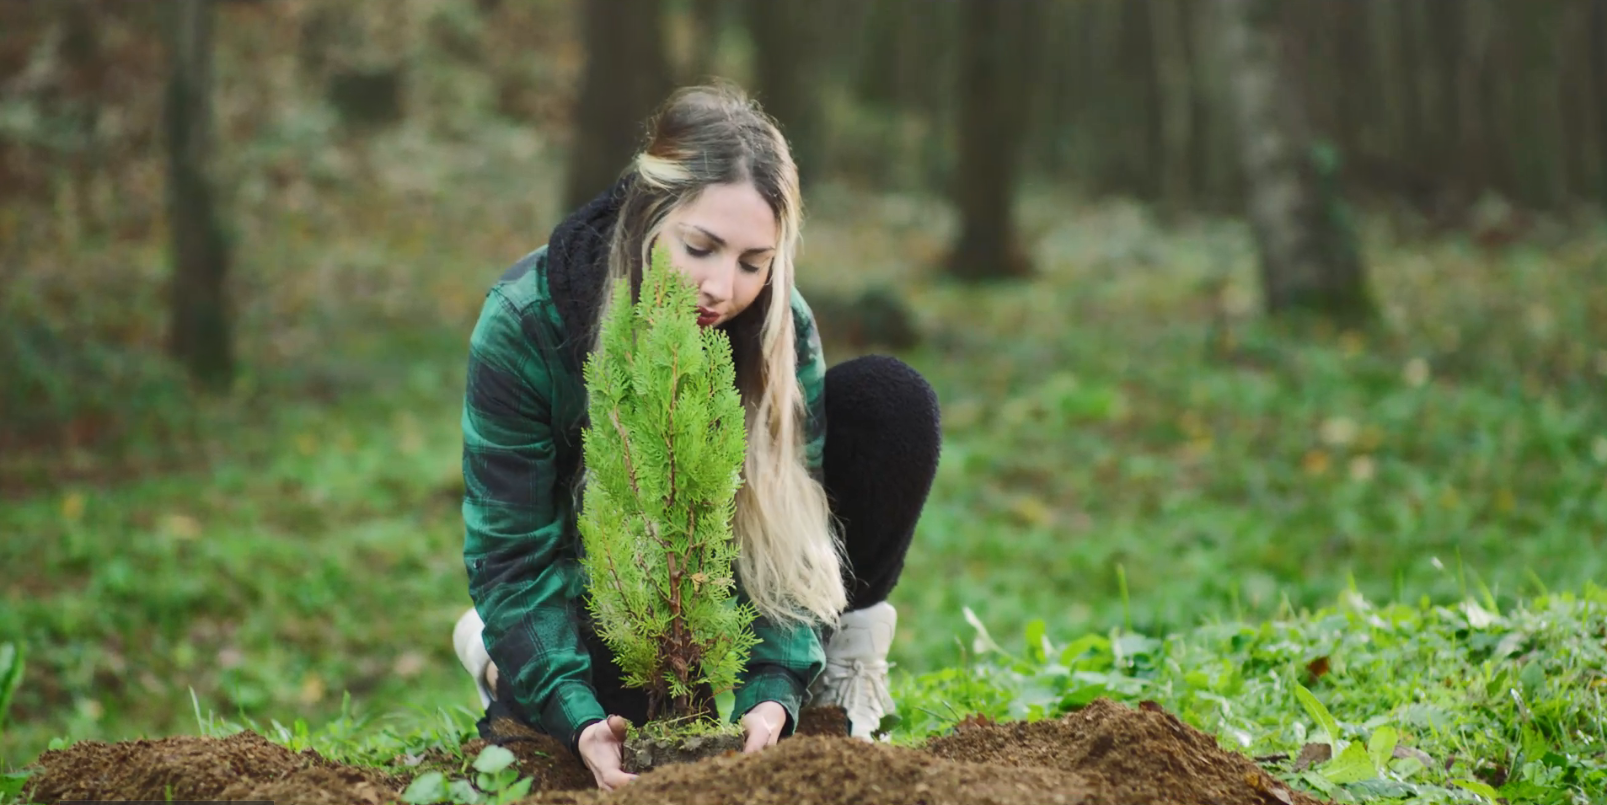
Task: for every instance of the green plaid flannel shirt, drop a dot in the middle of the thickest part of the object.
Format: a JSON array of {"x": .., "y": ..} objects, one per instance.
[{"x": 524, "y": 404}]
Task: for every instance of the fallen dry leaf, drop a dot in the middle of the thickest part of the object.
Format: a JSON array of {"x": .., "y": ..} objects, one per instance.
[
  {"x": 1318, "y": 668},
  {"x": 1422, "y": 757},
  {"x": 973, "y": 721},
  {"x": 1268, "y": 789},
  {"x": 1312, "y": 754}
]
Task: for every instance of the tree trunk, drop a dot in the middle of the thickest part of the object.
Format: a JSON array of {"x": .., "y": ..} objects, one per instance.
[
  {"x": 1598, "y": 79},
  {"x": 1309, "y": 259},
  {"x": 784, "y": 46},
  {"x": 199, "y": 335},
  {"x": 708, "y": 23},
  {"x": 997, "y": 55},
  {"x": 1176, "y": 114},
  {"x": 627, "y": 75}
]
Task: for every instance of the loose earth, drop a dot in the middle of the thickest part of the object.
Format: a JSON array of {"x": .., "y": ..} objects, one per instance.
[{"x": 1104, "y": 754}]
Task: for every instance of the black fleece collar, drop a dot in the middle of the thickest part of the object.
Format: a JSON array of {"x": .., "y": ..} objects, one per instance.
[{"x": 577, "y": 264}]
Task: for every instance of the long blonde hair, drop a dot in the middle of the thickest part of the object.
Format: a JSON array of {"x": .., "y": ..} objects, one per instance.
[{"x": 790, "y": 564}]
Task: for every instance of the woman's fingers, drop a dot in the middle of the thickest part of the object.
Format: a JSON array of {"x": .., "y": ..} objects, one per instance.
[
  {"x": 614, "y": 778},
  {"x": 763, "y": 725},
  {"x": 757, "y": 739},
  {"x": 602, "y": 746}
]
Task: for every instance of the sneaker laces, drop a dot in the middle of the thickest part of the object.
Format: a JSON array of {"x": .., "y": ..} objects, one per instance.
[{"x": 857, "y": 685}]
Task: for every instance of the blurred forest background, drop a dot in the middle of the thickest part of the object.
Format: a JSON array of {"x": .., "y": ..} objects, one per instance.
[{"x": 1232, "y": 307}]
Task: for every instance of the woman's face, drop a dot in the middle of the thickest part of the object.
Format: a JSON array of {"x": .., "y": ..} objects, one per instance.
[{"x": 724, "y": 240}]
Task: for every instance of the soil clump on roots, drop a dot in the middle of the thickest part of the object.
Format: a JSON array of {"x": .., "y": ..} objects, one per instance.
[{"x": 1105, "y": 753}]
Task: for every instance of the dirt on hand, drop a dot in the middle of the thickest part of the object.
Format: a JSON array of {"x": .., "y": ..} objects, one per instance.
[{"x": 1103, "y": 754}]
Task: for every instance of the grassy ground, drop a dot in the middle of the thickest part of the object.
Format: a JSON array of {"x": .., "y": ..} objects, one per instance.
[
  {"x": 1125, "y": 444},
  {"x": 1415, "y": 703}
]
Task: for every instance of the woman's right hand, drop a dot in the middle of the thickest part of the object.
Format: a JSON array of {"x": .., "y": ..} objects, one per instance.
[{"x": 602, "y": 745}]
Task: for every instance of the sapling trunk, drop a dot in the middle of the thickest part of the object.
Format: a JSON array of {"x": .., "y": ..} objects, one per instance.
[{"x": 664, "y": 452}]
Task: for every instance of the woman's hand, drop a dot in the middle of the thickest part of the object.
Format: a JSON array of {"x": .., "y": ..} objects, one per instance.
[
  {"x": 601, "y": 746},
  {"x": 763, "y": 725}
]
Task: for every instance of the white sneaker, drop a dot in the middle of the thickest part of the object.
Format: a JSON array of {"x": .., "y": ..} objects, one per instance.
[
  {"x": 856, "y": 669},
  {"x": 470, "y": 646}
]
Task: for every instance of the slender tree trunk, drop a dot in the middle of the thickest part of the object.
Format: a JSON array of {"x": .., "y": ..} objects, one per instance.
[
  {"x": 1147, "y": 110},
  {"x": 1598, "y": 80},
  {"x": 1309, "y": 259},
  {"x": 784, "y": 42},
  {"x": 996, "y": 59},
  {"x": 875, "y": 77},
  {"x": 627, "y": 75},
  {"x": 1176, "y": 112},
  {"x": 709, "y": 22},
  {"x": 199, "y": 335}
]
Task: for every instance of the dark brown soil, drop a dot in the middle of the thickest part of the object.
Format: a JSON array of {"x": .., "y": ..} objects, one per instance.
[
  {"x": 539, "y": 756},
  {"x": 832, "y": 720},
  {"x": 1104, "y": 753},
  {"x": 338, "y": 785},
  {"x": 644, "y": 754},
  {"x": 190, "y": 768},
  {"x": 1124, "y": 754},
  {"x": 836, "y": 771}
]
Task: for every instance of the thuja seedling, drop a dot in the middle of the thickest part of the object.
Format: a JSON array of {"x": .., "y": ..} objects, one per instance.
[{"x": 664, "y": 450}]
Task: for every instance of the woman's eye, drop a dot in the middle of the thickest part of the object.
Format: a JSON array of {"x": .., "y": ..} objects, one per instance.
[
  {"x": 698, "y": 252},
  {"x": 751, "y": 269}
]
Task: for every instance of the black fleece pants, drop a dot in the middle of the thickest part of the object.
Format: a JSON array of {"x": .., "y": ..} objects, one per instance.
[{"x": 882, "y": 442}]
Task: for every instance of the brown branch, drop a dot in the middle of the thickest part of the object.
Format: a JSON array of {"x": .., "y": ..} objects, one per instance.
[
  {"x": 669, "y": 442},
  {"x": 625, "y": 445},
  {"x": 619, "y": 584}
]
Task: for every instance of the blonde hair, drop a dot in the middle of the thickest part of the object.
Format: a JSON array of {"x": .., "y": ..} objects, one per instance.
[{"x": 790, "y": 564}]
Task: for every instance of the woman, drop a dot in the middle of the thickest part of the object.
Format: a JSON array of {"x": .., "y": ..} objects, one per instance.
[{"x": 851, "y": 450}]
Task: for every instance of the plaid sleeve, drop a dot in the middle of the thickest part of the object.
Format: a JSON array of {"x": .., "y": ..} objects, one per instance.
[
  {"x": 522, "y": 577},
  {"x": 779, "y": 669},
  {"x": 812, "y": 378}
]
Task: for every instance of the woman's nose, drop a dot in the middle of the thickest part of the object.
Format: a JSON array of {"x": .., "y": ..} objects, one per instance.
[{"x": 717, "y": 283}]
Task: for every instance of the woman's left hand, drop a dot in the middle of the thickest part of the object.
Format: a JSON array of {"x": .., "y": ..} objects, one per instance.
[{"x": 763, "y": 725}]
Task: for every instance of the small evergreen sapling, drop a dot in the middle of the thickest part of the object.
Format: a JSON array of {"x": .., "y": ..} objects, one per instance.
[{"x": 664, "y": 451}]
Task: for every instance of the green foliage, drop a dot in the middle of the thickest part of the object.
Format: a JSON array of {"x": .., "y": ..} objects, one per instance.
[
  {"x": 497, "y": 782},
  {"x": 663, "y": 452},
  {"x": 12, "y": 658},
  {"x": 1416, "y": 704},
  {"x": 11, "y": 784}
]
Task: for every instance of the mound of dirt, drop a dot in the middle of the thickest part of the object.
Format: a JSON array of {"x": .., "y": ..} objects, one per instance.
[
  {"x": 318, "y": 785},
  {"x": 1104, "y": 753},
  {"x": 1124, "y": 755},
  {"x": 539, "y": 756},
  {"x": 835, "y": 771},
  {"x": 188, "y": 767}
]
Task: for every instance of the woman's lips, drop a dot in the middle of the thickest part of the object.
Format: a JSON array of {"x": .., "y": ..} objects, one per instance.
[{"x": 706, "y": 317}]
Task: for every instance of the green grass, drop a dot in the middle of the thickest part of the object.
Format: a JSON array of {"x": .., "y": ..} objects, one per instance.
[
  {"x": 1479, "y": 700},
  {"x": 1104, "y": 466}
]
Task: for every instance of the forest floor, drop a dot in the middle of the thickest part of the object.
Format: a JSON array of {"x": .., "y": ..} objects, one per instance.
[{"x": 1137, "y": 467}]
